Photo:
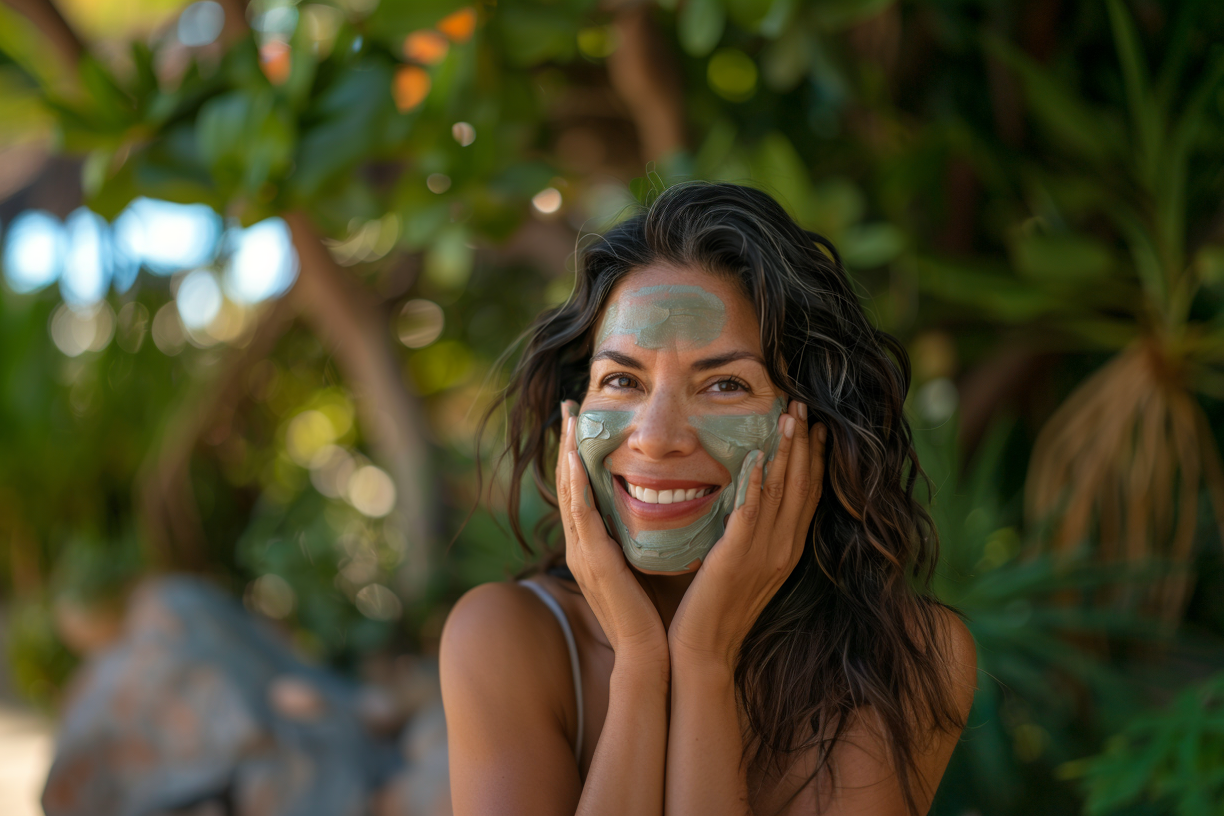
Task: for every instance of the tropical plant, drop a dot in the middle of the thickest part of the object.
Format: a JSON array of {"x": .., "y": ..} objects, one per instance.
[{"x": 1167, "y": 760}]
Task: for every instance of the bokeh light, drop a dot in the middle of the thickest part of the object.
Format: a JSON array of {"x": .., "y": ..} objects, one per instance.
[
  {"x": 168, "y": 333},
  {"x": 198, "y": 299},
  {"x": 377, "y": 602},
  {"x": 426, "y": 47},
  {"x": 371, "y": 491},
  {"x": 330, "y": 470},
  {"x": 87, "y": 262},
  {"x": 464, "y": 133},
  {"x": 420, "y": 323},
  {"x": 598, "y": 42},
  {"x": 732, "y": 74},
  {"x": 201, "y": 23},
  {"x": 78, "y": 330},
  {"x": 308, "y": 433},
  {"x": 133, "y": 326},
  {"x": 547, "y": 201},
  {"x": 271, "y": 595},
  {"x": 438, "y": 183},
  {"x": 263, "y": 265},
  {"x": 166, "y": 237},
  {"x": 411, "y": 87},
  {"x": 460, "y": 25},
  {"x": 33, "y": 251}
]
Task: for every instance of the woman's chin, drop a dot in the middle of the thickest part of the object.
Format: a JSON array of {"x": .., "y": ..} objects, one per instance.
[{"x": 691, "y": 568}]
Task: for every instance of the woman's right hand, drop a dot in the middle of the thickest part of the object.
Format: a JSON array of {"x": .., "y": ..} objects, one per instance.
[{"x": 628, "y": 618}]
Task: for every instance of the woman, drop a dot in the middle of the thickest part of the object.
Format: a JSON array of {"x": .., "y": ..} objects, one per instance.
[{"x": 742, "y": 624}]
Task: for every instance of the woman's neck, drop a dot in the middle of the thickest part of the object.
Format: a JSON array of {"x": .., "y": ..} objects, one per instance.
[{"x": 665, "y": 592}]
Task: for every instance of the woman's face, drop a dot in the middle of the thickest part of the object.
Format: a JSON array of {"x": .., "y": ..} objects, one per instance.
[{"x": 679, "y": 394}]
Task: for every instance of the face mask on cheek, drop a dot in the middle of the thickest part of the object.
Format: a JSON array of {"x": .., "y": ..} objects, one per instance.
[{"x": 728, "y": 439}]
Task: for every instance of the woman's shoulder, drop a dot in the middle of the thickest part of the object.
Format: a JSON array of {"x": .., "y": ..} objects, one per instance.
[
  {"x": 501, "y": 623},
  {"x": 501, "y": 640},
  {"x": 956, "y": 649}
]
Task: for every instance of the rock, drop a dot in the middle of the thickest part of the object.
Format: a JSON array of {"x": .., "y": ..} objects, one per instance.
[
  {"x": 296, "y": 699},
  {"x": 200, "y": 703}
]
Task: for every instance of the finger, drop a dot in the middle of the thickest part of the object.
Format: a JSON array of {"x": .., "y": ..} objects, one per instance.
[
  {"x": 745, "y": 517},
  {"x": 798, "y": 474},
  {"x": 774, "y": 486},
  {"x": 587, "y": 522},
  {"x": 561, "y": 458}
]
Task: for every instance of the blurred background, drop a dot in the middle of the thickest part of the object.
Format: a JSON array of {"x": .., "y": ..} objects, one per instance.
[{"x": 259, "y": 260}]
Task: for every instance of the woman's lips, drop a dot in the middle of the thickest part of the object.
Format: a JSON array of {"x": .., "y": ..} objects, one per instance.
[{"x": 646, "y": 511}]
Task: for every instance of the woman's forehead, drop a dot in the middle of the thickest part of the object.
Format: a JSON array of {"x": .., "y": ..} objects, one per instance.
[{"x": 662, "y": 306}]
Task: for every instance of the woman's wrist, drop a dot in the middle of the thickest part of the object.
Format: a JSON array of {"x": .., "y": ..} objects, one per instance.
[
  {"x": 644, "y": 663},
  {"x": 706, "y": 658}
]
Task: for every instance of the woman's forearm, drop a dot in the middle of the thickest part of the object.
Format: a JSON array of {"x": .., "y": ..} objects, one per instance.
[
  {"x": 626, "y": 773},
  {"x": 705, "y": 771}
]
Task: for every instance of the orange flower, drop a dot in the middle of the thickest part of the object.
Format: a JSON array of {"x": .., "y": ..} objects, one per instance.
[
  {"x": 276, "y": 61},
  {"x": 410, "y": 88},
  {"x": 460, "y": 25},
  {"x": 425, "y": 47}
]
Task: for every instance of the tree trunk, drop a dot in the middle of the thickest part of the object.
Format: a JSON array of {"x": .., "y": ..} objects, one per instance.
[{"x": 349, "y": 321}]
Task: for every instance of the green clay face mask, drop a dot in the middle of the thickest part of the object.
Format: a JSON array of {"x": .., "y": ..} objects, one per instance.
[
  {"x": 728, "y": 439},
  {"x": 658, "y": 316},
  {"x": 680, "y": 317}
]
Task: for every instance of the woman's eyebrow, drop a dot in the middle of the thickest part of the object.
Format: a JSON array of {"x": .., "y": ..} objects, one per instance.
[
  {"x": 618, "y": 358},
  {"x": 717, "y": 362}
]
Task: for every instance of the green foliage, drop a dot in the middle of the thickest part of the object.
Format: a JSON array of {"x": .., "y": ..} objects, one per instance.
[
  {"x": 1026, "y": 613},
  {"x": 1170, "y": 759},
  {"x": 985, "y": 178}
]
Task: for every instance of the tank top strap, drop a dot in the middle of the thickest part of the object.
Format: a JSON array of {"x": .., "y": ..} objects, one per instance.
[{"x": 571, "y": 644}]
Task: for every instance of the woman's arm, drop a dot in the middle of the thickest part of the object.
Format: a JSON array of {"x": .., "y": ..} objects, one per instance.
[
  {"x": 706, "y": 774},
  {"x": 510, "y": 713},
  {"x": 764, "y": 539}
]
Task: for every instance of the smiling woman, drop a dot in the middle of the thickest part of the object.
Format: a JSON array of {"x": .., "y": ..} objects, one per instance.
[{"x": 745, "y": 625}]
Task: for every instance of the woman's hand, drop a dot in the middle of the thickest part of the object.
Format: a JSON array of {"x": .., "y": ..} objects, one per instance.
[
  {"x": 764, "y": 538},
  {"x": 628, "y": 618}
]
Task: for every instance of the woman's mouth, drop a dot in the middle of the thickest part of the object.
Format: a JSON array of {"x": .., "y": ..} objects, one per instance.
[{"x": 664, "y": 500}]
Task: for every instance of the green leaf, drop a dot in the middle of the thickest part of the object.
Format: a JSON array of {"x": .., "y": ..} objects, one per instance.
[
  {"x": 1146, "y": 116},
  {"x": 836, "y": 15},
  {"x": 1067, "y": 119},
  {"x": 1062, "y": 258},
  {"x": 998, "y": 297},
  {"x": 700, "y": 25}
]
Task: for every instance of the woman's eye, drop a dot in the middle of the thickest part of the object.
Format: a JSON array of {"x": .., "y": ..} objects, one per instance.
[
  {"x": 725, "y": 386},
  {"x": 621, "y": 381}
]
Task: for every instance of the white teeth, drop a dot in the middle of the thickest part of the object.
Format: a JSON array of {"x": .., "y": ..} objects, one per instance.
[{"x": 649, "y": 496}]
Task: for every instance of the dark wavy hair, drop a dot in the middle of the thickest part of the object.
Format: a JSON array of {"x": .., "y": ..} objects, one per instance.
[{"x": 854, "y": 625}]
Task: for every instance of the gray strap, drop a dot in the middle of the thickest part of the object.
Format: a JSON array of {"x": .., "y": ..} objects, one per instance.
[{"x": 570, "y": 643}]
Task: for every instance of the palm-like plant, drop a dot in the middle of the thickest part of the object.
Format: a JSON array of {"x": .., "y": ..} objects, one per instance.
[{"x": 1041, "y": 700}]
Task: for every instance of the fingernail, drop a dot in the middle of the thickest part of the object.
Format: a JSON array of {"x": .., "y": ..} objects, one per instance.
[
  {"x": 741, "y": 490},
  {"x": 788, "y": 427},
  {"x": 564, "y": 410},
  {"x": 802, "y": 411}
]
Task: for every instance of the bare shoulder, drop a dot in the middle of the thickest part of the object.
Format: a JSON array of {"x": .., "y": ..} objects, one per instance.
[
  {"x": 504, "y": 668},
  {"x": 956, "y": 648},
  {"x": 501, "y": 631}
]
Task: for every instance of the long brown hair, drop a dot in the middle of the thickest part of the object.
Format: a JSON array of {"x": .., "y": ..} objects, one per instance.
[{"x": 854, "y": 625}]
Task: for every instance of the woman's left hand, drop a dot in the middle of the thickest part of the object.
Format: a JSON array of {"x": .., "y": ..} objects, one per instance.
[{"x": 763, "y": 541}]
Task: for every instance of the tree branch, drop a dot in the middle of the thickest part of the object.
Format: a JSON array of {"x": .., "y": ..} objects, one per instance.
[
  {"x": 645, "y": 77},
  {"x": 351, "y": 324},
  {"x": 165, "y": 504},
  {"x": 48, "y": 20}
]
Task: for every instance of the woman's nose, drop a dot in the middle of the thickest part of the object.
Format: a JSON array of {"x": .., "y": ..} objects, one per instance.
[{"x": 662, "y": 429}]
